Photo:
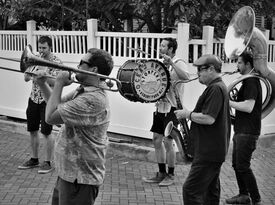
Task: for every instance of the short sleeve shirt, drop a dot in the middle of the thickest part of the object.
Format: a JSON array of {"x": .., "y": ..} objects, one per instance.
[
  {"x": 211, "y": 141},
  {"x": 249, "y": 123},
  {"x": 36, "y": 94},
  {"x": 82, "y": 142}
]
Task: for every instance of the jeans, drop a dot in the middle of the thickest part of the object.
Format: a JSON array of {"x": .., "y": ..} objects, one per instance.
[
  {"x": 67, "y": 193},
  {"x": 202, "y": 185},
  {"x": 243, "y": 147}
]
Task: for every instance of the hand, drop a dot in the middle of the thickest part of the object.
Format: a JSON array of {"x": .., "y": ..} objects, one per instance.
[
  {"x": 64, "y": 78},
  {"x": 40, "y": 76},
  {"x": 167, "y": 59},
  {"x": 183, "y": 113}
]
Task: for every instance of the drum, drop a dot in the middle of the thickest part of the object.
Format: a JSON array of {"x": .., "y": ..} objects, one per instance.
[{"x": 143, "y": 80}]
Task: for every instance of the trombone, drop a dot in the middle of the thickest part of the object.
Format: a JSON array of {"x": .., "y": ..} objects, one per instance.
[{"x": 29, "y": 59}]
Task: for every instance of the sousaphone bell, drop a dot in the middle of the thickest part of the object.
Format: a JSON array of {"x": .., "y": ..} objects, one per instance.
[{"x": 242, "y": 34}]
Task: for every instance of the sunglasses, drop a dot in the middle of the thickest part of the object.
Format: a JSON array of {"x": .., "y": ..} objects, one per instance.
[
  {"x": 202, "y": 67},
  {"x": 83, "y": 62}
]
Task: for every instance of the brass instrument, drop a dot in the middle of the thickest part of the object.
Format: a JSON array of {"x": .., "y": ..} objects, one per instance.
[
  {"x": 182, "y": 136},
  {"x": 29, "y": 59},
  {"x": 242, "y": 34}
]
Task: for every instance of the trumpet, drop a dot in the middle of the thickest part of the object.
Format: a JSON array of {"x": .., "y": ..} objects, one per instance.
[{"x": 28, "y": 59}]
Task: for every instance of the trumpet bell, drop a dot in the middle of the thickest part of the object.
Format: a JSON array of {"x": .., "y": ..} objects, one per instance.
[
  {"x": 24, "y": 62},
  {"x": 239, "y": 32}
]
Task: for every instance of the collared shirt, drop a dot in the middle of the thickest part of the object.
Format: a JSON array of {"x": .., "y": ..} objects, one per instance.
[
  {"x": 211, "y": 142},
  {"x": 164, "y": 105},
  {"x": 81, "y": 145},
  {"x": 36, "y": 94}
]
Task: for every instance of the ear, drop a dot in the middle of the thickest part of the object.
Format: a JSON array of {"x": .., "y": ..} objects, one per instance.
[{"x": 94, "y": 69}]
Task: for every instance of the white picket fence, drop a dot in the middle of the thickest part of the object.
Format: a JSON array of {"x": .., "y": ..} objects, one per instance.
[{"x": 128, "y": 117}]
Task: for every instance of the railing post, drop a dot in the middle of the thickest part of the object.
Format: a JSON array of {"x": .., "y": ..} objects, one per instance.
[
  {"x": 92, "y": 29},
  {"x": 31, "y": 27},
  {"x": 208, "y": 36},
  {"x": 183, "y": 41},
  {"x": 266, "y": 34}
]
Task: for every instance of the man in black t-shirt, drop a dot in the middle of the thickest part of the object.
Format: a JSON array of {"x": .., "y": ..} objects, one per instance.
[
  {"x": 247, "y": 128},
  {"x": 210, "y": 132}
]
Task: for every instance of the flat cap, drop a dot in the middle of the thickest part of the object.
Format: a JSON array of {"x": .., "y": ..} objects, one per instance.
[{"x": 209, "y": 59}]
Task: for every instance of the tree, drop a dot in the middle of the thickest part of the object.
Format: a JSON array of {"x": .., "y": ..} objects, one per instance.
[{"x": 157, "y": 15}]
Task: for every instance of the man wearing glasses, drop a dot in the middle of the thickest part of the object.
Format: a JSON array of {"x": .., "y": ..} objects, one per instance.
[
  {"x": 81, "y": 144},
  {"x": 210, "y": 130}
]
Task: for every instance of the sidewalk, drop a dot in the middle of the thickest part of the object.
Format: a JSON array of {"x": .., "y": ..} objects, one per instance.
[{"x": 123, "y": 184}]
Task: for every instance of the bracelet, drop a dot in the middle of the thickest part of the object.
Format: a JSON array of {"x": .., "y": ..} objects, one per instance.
[{"x": 190, "y": 115}]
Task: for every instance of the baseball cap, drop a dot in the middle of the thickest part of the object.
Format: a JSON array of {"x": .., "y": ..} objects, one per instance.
[{"x": 209, "y": 59}]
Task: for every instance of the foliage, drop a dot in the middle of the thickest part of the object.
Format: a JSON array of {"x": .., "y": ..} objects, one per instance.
[{"x": 156, "y": 15}]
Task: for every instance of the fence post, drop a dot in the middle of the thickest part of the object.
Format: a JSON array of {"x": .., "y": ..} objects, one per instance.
[
  {"x": 183, "y": 41},
  {"x": 266, "y": 34},
  {"x": 31, "y": 26},
  {"x": 208, "y": 36},
  {"x": 92, "y": 29}
]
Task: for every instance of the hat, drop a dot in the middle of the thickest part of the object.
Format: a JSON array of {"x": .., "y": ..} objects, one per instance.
[{"x": 209, "y": 59}]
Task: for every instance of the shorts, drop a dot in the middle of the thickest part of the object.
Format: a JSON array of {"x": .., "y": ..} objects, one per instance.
[
  {"x": 160, "y": 120},
  {"x": 36, "y": 116},
  {"x": 67, "y": 193}
]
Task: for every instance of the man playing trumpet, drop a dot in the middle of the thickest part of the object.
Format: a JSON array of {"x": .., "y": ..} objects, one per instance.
[
  {"x": 81, "y": 144},
  {"x": 36, "y": 110}
]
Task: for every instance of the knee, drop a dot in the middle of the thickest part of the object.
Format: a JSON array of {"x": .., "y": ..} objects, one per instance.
[
  {"x": 168, "y": 143},
  {"x": 157, "y": 140}
]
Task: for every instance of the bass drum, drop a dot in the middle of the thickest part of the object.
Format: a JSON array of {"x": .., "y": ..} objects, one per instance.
[{"x": 143, "y": 81}]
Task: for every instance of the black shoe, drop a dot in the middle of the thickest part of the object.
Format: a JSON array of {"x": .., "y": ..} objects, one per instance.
[
  {"x": 256, "y": 202},
  {"x": 31, "y": 163},
  {"x": 239, "y": 199}
]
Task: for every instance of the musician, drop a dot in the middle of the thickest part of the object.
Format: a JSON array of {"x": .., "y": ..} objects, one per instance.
[
  {"x": 210, "y": 131},
  {"x": 81, "y": 144},
  {"x": 36, "y": 111},
  {"x": 164, "y": 149},
  {"x": 247, "y": 128}
]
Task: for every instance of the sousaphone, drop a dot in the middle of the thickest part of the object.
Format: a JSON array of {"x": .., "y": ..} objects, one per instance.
[{"x": 242, "y": 34}]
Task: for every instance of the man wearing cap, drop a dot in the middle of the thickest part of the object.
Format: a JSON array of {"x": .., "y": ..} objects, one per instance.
[{"x": 210, "y": 131}]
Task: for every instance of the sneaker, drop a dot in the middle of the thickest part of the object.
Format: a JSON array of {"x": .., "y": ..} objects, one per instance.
[
  {"x": 156, "y": 179},
  {"x": 45, "y": 168},
  {"x": 239, "y": 199},
  {"x": 168, "y": 180},
  {"x": 31, "y": 163}
]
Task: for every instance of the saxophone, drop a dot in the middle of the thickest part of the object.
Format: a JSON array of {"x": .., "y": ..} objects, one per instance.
[{"x": 182, "y": 136}]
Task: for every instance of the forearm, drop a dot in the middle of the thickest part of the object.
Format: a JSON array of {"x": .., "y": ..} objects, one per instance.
[
  {"x": 53, "y": 102},
  {"x": 201, "y": 118},
  {"x": 244, "y": 106},
  {"x": 46, "y": 90}
]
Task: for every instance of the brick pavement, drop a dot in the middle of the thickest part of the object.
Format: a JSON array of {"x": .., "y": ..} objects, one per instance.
[{"x": 123, "y": 183}]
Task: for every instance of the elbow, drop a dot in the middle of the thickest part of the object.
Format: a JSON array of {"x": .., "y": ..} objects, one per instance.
[
  {"x": 49, "y": 119},
  {"x": 210, "y": 120},
  {"x": 249, "y": 110}
]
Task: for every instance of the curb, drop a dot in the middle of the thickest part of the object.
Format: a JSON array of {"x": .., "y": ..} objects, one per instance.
[{"x": 129, "y": 150}]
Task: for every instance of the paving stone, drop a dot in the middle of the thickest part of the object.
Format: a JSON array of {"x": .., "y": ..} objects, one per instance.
[{"x": 123, "y": 184}]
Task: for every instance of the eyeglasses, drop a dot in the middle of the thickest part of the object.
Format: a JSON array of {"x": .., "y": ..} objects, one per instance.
[
  {"x": 83, "y": 62},
  {"x": 202, "y": 67}
]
